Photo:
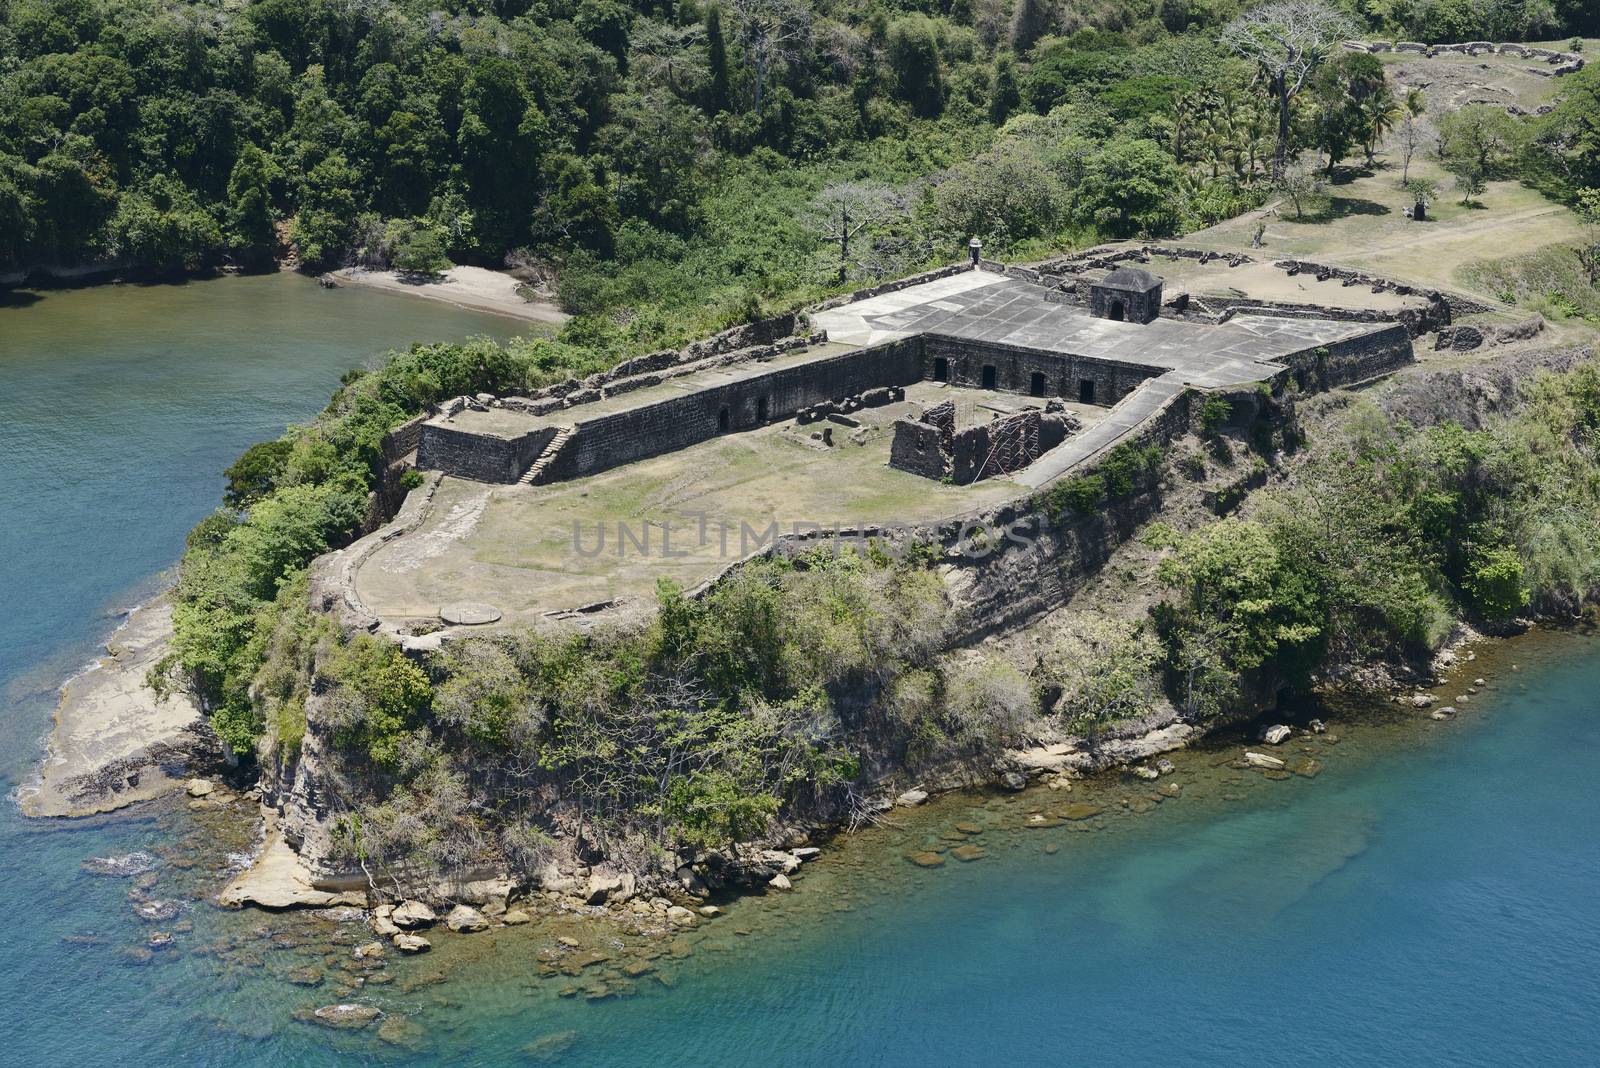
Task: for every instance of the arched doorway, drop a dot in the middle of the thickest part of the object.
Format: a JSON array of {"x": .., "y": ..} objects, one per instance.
[
  {"x": 1036, "y": 385},
  {"x": 724, "y": 420}
]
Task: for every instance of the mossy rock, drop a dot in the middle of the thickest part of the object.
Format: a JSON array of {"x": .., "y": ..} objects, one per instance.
[
  {"x": 925, "y": 859},
  {"x": 968, "y": 853},
  {"x": 1081, "y": 811}
]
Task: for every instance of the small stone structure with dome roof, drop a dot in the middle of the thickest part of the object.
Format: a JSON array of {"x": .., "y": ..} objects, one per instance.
[{"x": 1128, "y": 295}]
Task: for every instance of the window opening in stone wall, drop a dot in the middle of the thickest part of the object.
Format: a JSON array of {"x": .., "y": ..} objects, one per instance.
[
  {"x": 1086, "y": 390},
  {"x": 989, "y": 376}
]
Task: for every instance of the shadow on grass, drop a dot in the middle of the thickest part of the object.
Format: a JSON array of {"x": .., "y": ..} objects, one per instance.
[{"x": 1343, "y": 208}]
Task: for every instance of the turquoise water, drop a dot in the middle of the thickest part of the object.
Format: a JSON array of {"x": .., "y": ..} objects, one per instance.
[{"x": 1427, "y": 900}]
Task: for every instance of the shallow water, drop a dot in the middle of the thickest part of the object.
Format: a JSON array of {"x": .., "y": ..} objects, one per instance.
[{"x": 1426, "y": 899}]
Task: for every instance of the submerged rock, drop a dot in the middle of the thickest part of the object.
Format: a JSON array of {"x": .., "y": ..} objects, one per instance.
[
  {"x": 968, "y": 853},
  {"x": 1081, "y": 811},
  {"x": 925, "y": 859},
  {"x": 911, "y": 798},
  {"x": 123, "y": 866},
  {"x": 345, "y": 1016},
  {"x": 402, "y": 1031},
  {"x": 549, "y": 1047},
  {"x": 1262, "y": 760}
]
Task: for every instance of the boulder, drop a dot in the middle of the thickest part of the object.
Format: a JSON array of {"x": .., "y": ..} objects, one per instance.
[
  {"x": 1146, "y": 773},
  {"x": 464, "y": 919},
  {"x": 1316, "y": 726},
  {"x": 1165, "y": 766},
  {"x": 779, "y": 882},
  {"x": 806, "y": 853},
  {"x": 198, "y": 788},
  {"x": 1422, "y": 700},
  {"x": 1262, "y": 760},
  {"x": 777, "y": 858},
  {"x": 709, "y": 911},
  {"x": 1014, "y": 780},
  {"x": 411, "y": 914},
  {"x": 366, "y": 950},
  {"x": 345, "y": 1016},
  {"x": 679, "y": 916},
  {"x": 604, "y": 886},
  {"x": 911, "y": 798},
  {"x": 516, "y": 918},
  {"x": 410, "y": 943},
  {"x": 1458, "y": 339},
  {"x": 383, "y": 926},
  {"x": 1276, "y": 734}
]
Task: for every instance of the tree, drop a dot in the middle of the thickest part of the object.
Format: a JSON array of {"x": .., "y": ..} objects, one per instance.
[
  {"x": 1381, "y": 111},
  {"x": 771, "y": 32},
  {"x": 326, "y": 223},
  {"x": 420, "y": 250},
  {"x": 1288, "y": 40},
  {"x": 502, "y": 136},
  {"x": 1301, "y": 183},
  {"x": 1127, "y": 189},
  {"x": 1030, "y": 20},
  {"x": 1587, "y": 207},
  {"x": 1477, "y": 139},
  {"x": 844, "y": 210},
  {"x": 719, "y": 92},
  {"x": 1004, "y": 96},
  {"x": 914, "y": 55},
  {"x": 250, "y": 214},
  {"x": 1423, "y": 191},
  {"x": 1415, "y": 106}
]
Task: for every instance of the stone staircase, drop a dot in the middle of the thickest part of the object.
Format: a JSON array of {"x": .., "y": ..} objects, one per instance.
[{"x": 534, "y": 475}]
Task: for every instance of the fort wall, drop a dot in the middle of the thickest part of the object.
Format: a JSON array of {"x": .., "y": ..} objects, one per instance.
[
  {"x": 480, "y": 456},
  {"x": 623, "y": 437},
  {"x": 1015, "y": 368}
]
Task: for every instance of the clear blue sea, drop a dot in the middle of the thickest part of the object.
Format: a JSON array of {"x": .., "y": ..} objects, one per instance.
[{"x": 1429, "y": 899}]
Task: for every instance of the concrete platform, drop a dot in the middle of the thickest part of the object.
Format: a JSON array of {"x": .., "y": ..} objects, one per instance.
[{"x": 982, "y": 306}]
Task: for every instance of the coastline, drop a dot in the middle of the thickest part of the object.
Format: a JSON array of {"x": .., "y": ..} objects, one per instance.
[
  {"x": 473, "y": 288},
  {"x": 114, "y": 740}
]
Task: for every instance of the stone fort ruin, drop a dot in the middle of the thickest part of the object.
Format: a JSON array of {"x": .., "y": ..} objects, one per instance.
[
  {"x": 956, "y": 393},
  {"x": 971, "y": 328}
]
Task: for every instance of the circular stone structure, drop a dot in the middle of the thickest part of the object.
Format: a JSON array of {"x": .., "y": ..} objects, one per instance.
[{"x": 469, "y": 614}]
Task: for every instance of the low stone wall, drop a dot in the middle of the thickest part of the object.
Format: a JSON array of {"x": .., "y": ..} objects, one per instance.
[
  {"x": 1442, "y": 309},
  {"x": 480, "y": 456},
  {"x": 1562, "y": 62},
  {"x": 1353, "y": 360},
  {"x": 891, "y": 287},
  {"x": 609, "y": 441}
]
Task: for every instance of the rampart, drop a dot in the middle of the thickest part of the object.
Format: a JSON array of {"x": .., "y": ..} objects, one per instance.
[{"x": 665, "y": 426}]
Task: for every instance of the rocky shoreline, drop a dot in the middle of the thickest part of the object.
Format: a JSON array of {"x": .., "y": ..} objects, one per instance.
[{"x": 116, "y": 741}]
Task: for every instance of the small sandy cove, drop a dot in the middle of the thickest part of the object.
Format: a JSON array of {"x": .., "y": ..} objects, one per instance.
[{"x": 477, "y": 288}]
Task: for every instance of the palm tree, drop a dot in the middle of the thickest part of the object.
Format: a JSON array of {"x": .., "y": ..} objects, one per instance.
[{"x": 1382, "y": 111}]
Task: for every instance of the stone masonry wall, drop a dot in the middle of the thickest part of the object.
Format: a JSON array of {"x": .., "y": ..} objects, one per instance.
[
  {"x": 920, "y": 448},
  {"x": 1353, "y": 360},
  {"x": 612, "y": 440},
  {"x": 995, "y": 448},
  {"x": 1015, "y": 367},
  {"x": 480, "y": 456}
]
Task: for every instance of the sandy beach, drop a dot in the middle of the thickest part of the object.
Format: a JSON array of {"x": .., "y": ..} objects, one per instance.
[{"x": 477, "y": 288}]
